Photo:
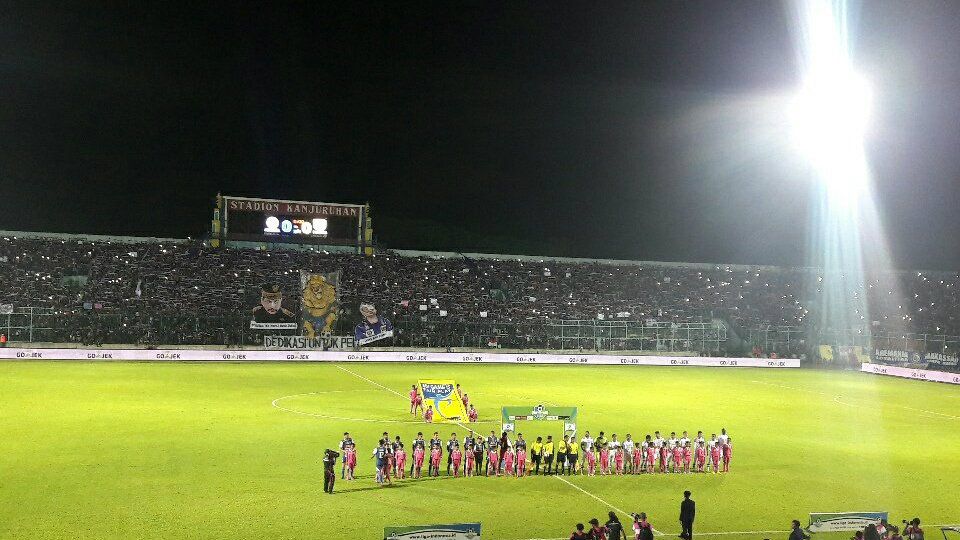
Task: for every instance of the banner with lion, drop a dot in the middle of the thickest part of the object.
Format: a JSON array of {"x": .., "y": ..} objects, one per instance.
[{"x": 320, "y": 302}]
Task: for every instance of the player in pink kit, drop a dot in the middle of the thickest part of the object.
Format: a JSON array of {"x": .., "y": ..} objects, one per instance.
[
  {"x": 687, "y": 457},
  {"x": 521, "y": 461},
  {"x": 727, "y": 454},
  {"x": 715, "y": 456},
  {"x": 435, "y": 460},
  {"x": 456, "y": 457},
  {"x": 416, "y": 402},
  {"x": 651, "y": 457},
  {"x": 638, "y": 455},
  {"x": 701, "y": 456},
  {"x": 417, "y": 460},
  {"x": 618, "y": 460},
  {"x": 677, "y": 458},
  {"x": 466, "y": 401},
  {"x": 604, "y": 460},
  {"x": 508, "y": 460},
  {"x": 494, "y": 468},
  {"x": 400, "y": 456},
  {"x": 428, "y": 414},
  {"x": 664, "y": 458},
  {"x": 351, "y": 462},
  {"x": 468, "y": 451},
  {"x": 591, "y": 461},
  {"x": 472, "y": 414}
]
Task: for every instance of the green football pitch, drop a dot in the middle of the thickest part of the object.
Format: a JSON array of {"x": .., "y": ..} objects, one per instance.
[{"x": 180, "y": 450}]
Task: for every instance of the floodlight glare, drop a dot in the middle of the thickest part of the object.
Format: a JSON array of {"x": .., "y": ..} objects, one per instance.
[{"x": 829, "y": 118}]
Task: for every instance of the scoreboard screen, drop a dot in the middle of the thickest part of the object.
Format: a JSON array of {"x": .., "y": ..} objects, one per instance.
[{"x": 270, "y": 220}]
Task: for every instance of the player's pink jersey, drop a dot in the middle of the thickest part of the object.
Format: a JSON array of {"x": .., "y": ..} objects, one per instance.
[
  {"x": 469, "y": 455},
  {"x": 401, "y": 457},
  {"x": 435, "y": 457},
  {"x": 472, "y": 415},
  {"x": 727, "y": 453},
  {"x": 508, "y": 462},
  {"x": 428, "y": 416},
  {"x": 618, "y": 459},
  {"x": 413, "y": 396},
  {"x": 637, "y": 458},
  {"x": 651, "y": 455},
  {"x": 351, "y": 458},
  {"x": 418, "y": 456},
  {"x": 677, "y": 456},
  {"x": 687, "y": 455},
  {"x": 715, "y": 453}
]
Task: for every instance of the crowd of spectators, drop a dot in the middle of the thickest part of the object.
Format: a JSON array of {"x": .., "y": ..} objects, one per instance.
[{"x": 196, "y": 289}]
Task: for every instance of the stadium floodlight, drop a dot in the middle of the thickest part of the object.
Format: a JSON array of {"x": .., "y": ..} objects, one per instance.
[{"x": 830, "y": 114}]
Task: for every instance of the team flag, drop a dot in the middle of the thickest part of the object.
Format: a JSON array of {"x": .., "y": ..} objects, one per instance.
[{"x": 442, "y": 394}]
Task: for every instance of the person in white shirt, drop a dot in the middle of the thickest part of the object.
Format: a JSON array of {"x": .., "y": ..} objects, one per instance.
[
  {"x": 672, "y": 441},
  {"x": 586, "y": 443},
  {"x": 657, "y": 440},
  {"x": 699, "y": 440},
  {"x": 614, "y": 444},
  {"x": 684, "y": 441},
  {"x": 628, "y": 450},
  {"x": 723, "y": 436}
]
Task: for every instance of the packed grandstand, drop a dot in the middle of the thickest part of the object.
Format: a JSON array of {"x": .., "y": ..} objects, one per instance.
[{"x": 183, "y": 292}]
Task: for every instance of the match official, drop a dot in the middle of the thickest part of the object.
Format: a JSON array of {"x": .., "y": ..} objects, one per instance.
[
  {"x": 548, "y": 455},
  {"x": 536, "y": 454}
]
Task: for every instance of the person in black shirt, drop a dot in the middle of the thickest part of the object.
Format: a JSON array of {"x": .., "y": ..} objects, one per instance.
[
  {"x": 329, "y": 461},
  {"x": 796, "y": 533},
  {"x": 417, "y": 443},
  {"x": 435, "y": 442},
  {"x": 688, "y": 510},
  {"x": 469, "y": 442},
  {"x": 492, "y": 443},
  {"x": 478, "y": 456},
  {"x": 615, "y": 528},
  {"x": 450, "y": 446}
]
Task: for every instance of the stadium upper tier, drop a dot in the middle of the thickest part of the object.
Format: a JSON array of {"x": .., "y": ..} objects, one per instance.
[{"x": 164, "y": 276}]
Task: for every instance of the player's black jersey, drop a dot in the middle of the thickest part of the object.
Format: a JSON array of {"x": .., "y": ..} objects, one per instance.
[{"x": 419, "y": 443}]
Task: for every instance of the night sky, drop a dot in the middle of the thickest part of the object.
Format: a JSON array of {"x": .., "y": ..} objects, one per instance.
[{"x": 641, "y": 130}]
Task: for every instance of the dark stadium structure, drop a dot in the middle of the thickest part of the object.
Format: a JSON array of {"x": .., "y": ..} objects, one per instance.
[{"x": 148, "y": 291}]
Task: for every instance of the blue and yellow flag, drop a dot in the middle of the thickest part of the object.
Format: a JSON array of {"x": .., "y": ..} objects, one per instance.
[{"x": 442, "y": 394}]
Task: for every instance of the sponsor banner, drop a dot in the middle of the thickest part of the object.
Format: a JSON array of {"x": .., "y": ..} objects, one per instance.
[
  {"x": 254, "y": 325},
  {"x": 941, "y": 358},
  {"x": 909, "y": 373},
  {"x": 320, "y": 303},
  {"x": 373, "y": 327},
  {"x": 844, "y": 521},
  {"x": 442, "y": 394},
  {"x": 199, "y": 355},
  {"x": 459, "y": 531},
  {"x": 6, "y": 309},
  {"x": 305, "y": 342},
  {"x": 895, "y": 357}
]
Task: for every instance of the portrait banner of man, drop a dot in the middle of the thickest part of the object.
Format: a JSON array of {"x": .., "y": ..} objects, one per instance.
[
  {"x": 271, "y": 313},
  {"x": 320, "y": 302}
]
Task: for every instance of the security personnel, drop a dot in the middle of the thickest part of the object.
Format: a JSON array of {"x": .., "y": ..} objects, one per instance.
[
  {"x": 271, "y": 309},
  {"x": 536, "y": 454},
  {"x": 548, "y": 454}
]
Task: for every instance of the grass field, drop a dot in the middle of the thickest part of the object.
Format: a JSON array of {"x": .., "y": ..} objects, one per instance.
[{"x": 176, "y": 450}]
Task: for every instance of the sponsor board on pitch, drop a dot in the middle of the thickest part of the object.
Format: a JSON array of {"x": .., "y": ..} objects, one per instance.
[
  {"x": 458, "y": 531},
  {"x": 911, "y": 373},
  {"x": 844, "y": 521}
]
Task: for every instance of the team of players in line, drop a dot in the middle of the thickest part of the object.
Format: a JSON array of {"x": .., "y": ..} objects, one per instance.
[{"x": 499, "y": 456}]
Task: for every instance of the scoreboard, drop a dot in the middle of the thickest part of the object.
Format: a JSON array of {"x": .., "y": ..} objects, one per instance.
[{"x": 302, "y": 222}]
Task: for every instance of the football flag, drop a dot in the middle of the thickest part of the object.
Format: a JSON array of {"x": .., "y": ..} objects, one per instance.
[{"x": 442, "y": 394}]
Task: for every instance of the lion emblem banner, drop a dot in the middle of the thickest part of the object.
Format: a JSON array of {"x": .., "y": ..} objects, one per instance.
[{"x": 320, "y": 304}]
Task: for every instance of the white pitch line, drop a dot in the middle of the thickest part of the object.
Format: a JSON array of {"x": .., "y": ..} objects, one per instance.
[
  {"x": 836, "y": 399},
  {"x": 603, "y": 502}
]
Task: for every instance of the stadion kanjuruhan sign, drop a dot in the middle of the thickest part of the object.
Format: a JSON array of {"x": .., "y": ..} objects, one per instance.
[{"x": 458, "y": 531}]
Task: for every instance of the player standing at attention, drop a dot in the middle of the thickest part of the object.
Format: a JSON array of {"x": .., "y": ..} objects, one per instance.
[
  {"x": 435, "y": 443},
  {"x": 591, "y": 459},
  {"x": 723, "y": 436},
  {"x": 605, "y": 459},
  {"x": 450, "y": 444},
  {"x": 687, "y": 458},
  {"x": 651, "y": 456},
  {"x": 585, "y": 442},
  {"x": 493, "y": 461},
  {"x": 701, "y": 449},
  {"x": 628, "y": 448},
  {"x": 619, "y": 460},
  {"x": 521, "y": 446},
  {"x": 472, "y": 414},
  {"x": 684, "y": 440},
  {"x": 478, "y": 456},
  {"x": 492, "y": 443},
  {"x": 699, "y": 440},
  {"x": 678, "y": 458},
  {"x": 508, "y": 460},
  {"x": 714, "y": 454},
  {"x": 456, "y": 456},
  {"x": 351, "y": 455},
  {"x": 639, "y": 453},
  {"x": 548, "y": 449},
  {"x": 468, "y": 442},
  {"x": 468, "y": 462},
  {"x": 614, "y": 446},
  {"x": 400, "y": 456},
  {"x": 428, "y": 414},
  {"x": 664, "y": 458},
  {"x": 419, "y": 450},
  {"x": 727, "y": 454},
  {"x": 436, "y": 452}
]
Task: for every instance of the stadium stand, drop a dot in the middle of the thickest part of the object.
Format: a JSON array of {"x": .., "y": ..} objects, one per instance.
[{"x": 180, "y": 291}]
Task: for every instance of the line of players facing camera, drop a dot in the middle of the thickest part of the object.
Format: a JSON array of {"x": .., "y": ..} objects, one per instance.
[{"x": 499, "y": 456}]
